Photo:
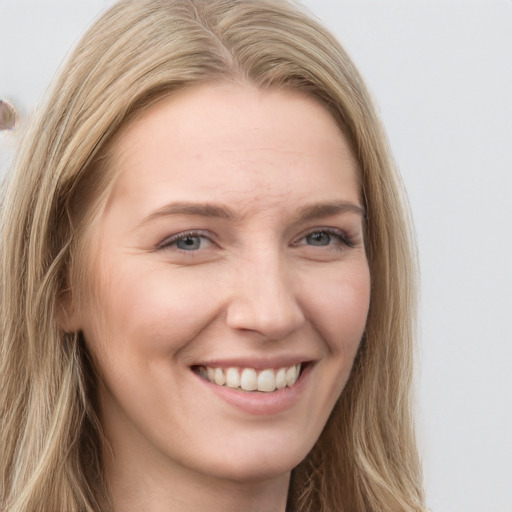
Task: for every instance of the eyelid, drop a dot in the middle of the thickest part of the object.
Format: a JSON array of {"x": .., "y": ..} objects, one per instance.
[
  {"x": 338, "y": 233},
  {"x": 173, "y": 239}
]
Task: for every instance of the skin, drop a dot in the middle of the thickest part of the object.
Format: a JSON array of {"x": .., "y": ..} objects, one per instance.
[{"x": 258, "y": 282}]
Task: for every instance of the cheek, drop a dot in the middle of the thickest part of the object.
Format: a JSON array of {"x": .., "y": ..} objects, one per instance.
[
  {"x": 151, "y": 308},
  {"x": 339, "y": 309}
]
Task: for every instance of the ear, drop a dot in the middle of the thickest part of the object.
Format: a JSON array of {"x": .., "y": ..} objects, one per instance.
[{"x": 68, "y": 316}]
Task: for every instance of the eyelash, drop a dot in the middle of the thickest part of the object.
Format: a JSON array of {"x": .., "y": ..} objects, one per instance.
[
  {"x": 339, "y": 235},
  {"x": 174, "y": 239}
]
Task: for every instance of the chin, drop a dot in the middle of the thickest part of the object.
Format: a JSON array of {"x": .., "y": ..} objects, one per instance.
[{"x": 259, "y": 461}]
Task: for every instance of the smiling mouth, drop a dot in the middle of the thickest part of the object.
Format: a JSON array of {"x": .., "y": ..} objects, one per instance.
[{"x": 250, "y": 379}]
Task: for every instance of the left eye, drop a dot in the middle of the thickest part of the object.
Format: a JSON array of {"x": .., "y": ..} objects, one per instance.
[{"x": 331, "y": 238}]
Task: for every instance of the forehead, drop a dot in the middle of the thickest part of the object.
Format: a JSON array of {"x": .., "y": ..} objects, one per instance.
[{"x": 236, "y": 143}]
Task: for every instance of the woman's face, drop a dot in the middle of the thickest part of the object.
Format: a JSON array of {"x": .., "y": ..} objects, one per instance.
[{"x": 230, "y": 253}]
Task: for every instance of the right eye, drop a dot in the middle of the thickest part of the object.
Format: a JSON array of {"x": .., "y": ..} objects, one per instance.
[{"x": 189, "y": 242}]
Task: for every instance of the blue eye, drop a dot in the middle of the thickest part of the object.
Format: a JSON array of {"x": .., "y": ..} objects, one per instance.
[
  {"x": 330, "y": 238},
  {"x": 189, "y": 242},
  {"x": 319, "y": 238}
]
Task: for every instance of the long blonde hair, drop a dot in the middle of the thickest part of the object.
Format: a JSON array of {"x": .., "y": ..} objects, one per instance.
[{"x": 135, "y": 54}]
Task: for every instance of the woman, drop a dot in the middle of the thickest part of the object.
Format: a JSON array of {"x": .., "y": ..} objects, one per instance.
[{"x": 207, "y": 276}]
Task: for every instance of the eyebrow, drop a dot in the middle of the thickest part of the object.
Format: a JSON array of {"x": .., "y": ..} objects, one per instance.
[
  {"x": 195, "y": 209},
  {"x": 312, "y": 212},
  {"x": 317, "y": 211}
]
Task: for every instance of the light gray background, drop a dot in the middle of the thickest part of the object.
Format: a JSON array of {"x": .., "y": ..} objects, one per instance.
[{"x": 441, "y": 73}]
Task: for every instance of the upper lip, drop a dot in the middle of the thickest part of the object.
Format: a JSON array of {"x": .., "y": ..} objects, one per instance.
[{"x": 258, "y": 363}]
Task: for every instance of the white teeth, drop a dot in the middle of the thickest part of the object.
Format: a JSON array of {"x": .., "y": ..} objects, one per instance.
[
  {"x": 281, "y": 378},
  {"x": 218, "y": 377},
  {"x": 291, "y": 375},
  {"x": 266, "y": 381},
  {"x": 248, "y": 379},
  {"x": 232, "y": 378}
]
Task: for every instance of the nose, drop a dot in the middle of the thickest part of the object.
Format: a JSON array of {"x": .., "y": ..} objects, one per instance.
[{"x": 264, "y": 298}]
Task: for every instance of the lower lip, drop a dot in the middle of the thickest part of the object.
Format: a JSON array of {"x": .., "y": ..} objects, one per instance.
[{"x": 258, "y": 402}]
